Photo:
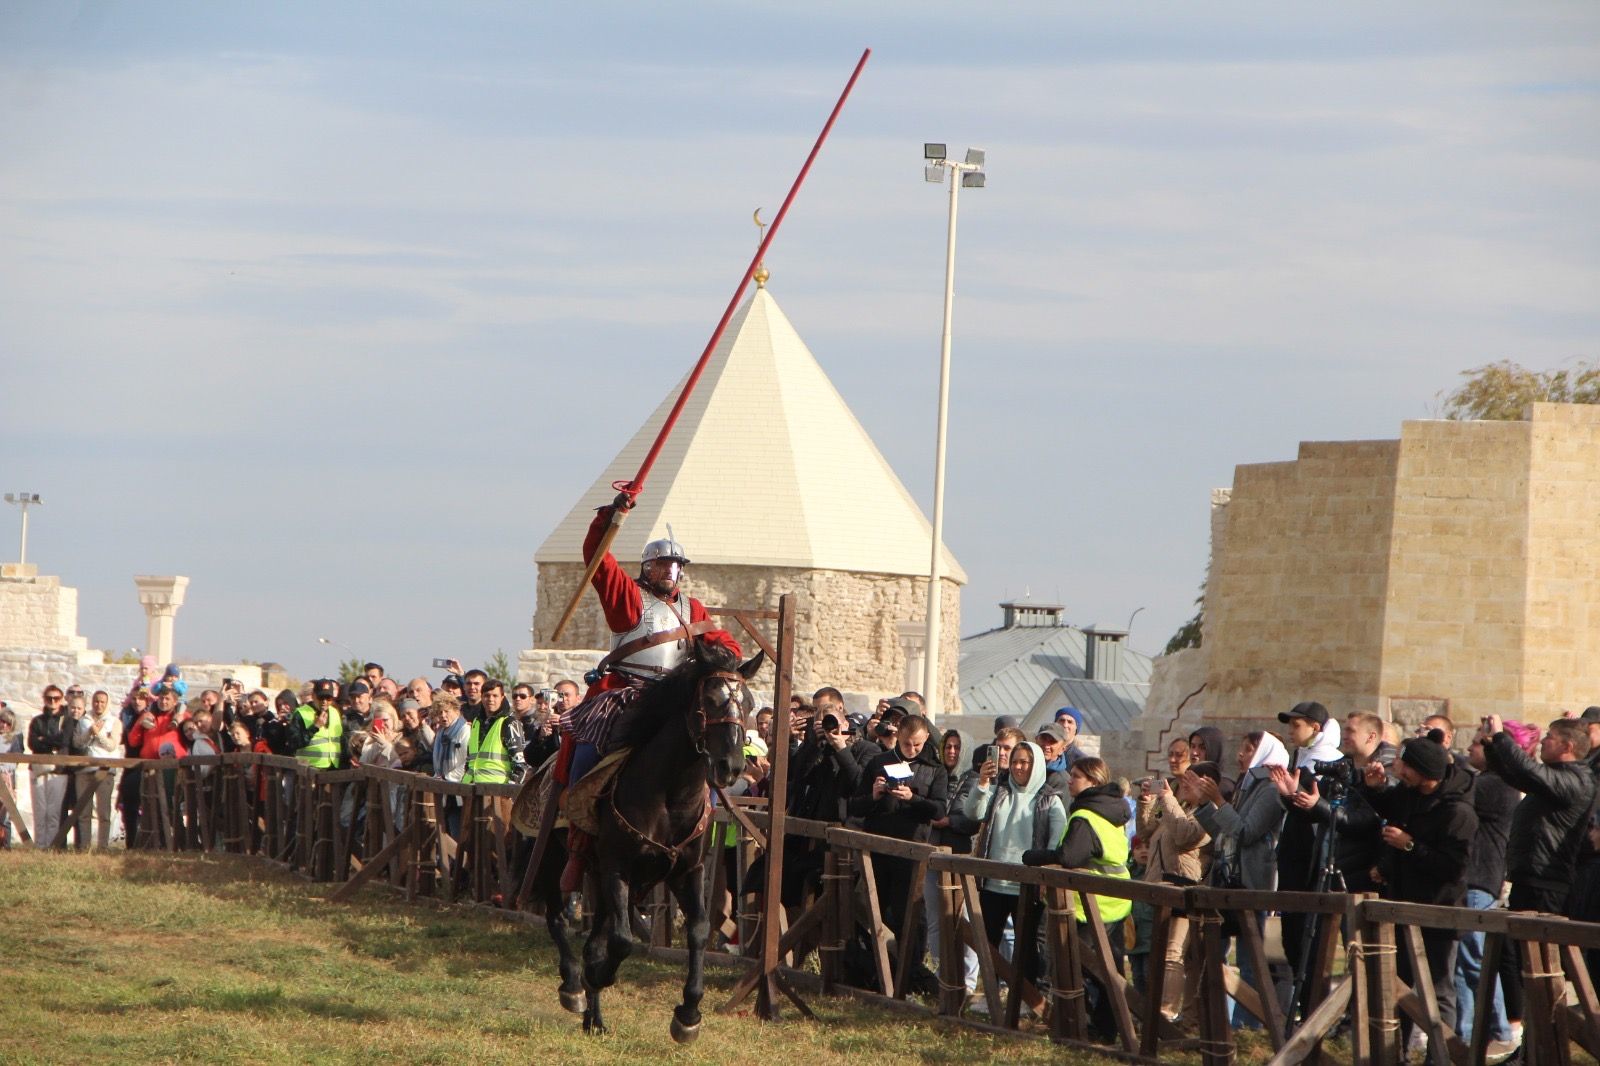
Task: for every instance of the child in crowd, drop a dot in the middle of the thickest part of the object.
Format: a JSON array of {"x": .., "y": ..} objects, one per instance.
[{"x": 1137, "y": 933}]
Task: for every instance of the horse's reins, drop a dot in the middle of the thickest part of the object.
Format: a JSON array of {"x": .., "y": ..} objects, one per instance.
[{"x": 673, "y": 852}]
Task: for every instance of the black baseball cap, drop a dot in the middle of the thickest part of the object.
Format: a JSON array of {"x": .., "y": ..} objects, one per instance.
[{"x": 1310, "y": 710}]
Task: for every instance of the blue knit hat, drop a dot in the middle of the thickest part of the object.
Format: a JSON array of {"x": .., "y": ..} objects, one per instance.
[{"x": 1070, "y": 712}]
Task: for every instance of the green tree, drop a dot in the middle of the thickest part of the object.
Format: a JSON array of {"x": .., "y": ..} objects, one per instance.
[
  {"x": 349, "y": 669},
  {"x": 1501, "y": 392},
  {"x": 1188, "y": 634},
  {"x": 499, "y": 667}
]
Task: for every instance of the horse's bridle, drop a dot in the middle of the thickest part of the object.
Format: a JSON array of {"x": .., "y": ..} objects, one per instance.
[{"x": 729, "y": 711}]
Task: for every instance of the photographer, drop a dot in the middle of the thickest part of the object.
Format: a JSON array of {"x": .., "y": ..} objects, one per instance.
[
  {"x": 1356, "y": 849},
  {"x": 1427, "y": 831}
]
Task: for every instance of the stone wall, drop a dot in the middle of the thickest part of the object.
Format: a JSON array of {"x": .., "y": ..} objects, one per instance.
[
  {"x": 1561, "y": 620},
  {"x": 543, "y": 667},
  {"x": 1458, "y": 565},
  {"x": 846, "y": 633},
  {"x": 25, "y": 672},
  {"x": 38, "y": 612},
  {"x": 1455, "y": 568},
  {"x": 1295, "y": 599}
]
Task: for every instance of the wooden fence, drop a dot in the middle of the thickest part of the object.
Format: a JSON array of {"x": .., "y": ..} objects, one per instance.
[{"x": 429, "y": 837}]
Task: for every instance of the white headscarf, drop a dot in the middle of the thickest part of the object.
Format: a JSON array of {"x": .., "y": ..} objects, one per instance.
[
  {"x": 1324, "y": 748},
  {"x": 1270, "y": 752}
]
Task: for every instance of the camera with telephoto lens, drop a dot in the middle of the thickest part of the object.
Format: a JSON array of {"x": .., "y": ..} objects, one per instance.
[{"x": 1340, "y": 773}]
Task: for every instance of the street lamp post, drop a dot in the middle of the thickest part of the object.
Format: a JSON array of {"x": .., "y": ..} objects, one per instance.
[
  {"x": 969, "y": 173},
  {"x": 24, "y": 500}
]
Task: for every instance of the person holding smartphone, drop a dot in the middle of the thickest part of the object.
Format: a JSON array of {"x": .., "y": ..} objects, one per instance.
[{"x": 901, "y": 791}]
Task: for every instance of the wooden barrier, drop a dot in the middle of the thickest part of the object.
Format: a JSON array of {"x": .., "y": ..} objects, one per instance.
[{"x": 428, "y": 837}]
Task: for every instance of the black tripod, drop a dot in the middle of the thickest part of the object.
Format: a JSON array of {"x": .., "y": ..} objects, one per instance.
[{"x": 1328, "y": 878}]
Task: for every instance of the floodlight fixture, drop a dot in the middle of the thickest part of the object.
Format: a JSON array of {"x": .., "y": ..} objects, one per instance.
[
  {"x": 934, "y": 173},
  {"x": 973, "y": 179},
  {"x": 975, "y": 157},
  {"x": 934, "y": 152},
  {"x": 23, "y": 500}
]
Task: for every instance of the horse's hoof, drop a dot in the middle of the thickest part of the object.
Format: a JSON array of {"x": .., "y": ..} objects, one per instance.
[
  {"x": 684, "y": 1034},
  {"x": 572, "y": 1001}
]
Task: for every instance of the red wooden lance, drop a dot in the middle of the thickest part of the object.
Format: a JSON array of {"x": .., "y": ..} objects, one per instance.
[{"x": 631, "y": 489}]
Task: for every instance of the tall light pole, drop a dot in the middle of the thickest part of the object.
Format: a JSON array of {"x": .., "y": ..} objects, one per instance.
[
  {"x": 969, "y": 173},
  {"x": 24, "y": 500}
]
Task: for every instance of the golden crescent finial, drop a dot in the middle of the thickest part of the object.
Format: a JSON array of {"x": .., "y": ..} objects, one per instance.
[{"x": 760, "y": 273}]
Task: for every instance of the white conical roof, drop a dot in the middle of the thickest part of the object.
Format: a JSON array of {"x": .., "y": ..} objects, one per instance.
[{"x": 766, "y": 467}]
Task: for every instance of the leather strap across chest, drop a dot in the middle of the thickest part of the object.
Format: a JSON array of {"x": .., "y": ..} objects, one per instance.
[{"x": 687, "y": 631}]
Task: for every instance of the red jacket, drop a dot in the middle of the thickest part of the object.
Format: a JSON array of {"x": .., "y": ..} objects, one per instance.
[
  {"x": 622, "y": 599},
  {"x": 149, "y": 741}
]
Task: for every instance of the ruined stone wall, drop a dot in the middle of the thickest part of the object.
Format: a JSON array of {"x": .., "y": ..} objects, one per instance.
[
  {"x": 847, "y": 628},
  {"x": 1561, "y": 658},
  {"x": 1457, "y": 567},
  {"x": 1295, "y": 600},
  {"x": 39, "y": 612},
  {"x": 1457, "y": 588}
]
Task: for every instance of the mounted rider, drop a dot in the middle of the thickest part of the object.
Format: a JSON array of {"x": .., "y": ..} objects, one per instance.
[{"x": 651, "y": 634}]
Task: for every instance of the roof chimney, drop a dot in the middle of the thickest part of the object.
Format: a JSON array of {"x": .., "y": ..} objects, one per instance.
[
  {"x": 1102, "y": 655},
  {"x": 1019, "y": 614}
]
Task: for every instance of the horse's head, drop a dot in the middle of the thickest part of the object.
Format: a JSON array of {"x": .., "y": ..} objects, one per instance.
[{"x": 722, "y": 702}]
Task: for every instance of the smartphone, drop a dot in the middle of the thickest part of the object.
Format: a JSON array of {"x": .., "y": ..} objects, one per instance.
[{"x": 441, "y": 664}]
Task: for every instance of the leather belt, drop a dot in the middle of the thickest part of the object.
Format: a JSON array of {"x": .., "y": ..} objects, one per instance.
[{"x": 638, "y": 644}]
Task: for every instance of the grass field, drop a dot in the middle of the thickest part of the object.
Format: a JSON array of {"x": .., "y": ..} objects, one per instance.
[{"x": 155, "y": 958}]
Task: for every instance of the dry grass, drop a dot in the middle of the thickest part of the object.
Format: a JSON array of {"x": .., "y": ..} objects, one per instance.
[{"x": 156, "y": 958}]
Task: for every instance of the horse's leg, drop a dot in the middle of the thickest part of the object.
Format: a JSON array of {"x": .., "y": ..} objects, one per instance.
[
  {"x": 608, "y": 945},
  {"x": 689, "y": 888},
  {"x": 555, "y": 920}
]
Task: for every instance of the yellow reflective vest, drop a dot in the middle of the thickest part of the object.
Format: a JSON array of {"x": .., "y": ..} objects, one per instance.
[
  {"x": 1111, "y": 862},
  {"x": 322, "y": 753},
  {"x": 488, "y": 762}
]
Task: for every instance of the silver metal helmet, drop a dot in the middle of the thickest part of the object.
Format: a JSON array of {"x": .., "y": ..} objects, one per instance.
[{"x": 666, "y": 548}]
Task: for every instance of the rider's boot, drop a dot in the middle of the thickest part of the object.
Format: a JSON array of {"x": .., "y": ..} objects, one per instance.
[{"x": 578, "y": 844}]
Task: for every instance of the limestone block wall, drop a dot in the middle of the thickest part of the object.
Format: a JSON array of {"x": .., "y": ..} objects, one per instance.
[
  {"x": 38, "y": 612},
  {"x": 25, "y": 672},
  {"x": 847, "y": 629},
  {"x": 1457, "y": 585},
  {"x": 543, "y": 667},
  {"x": 1295, "y": 598},
  {"x": 1561, "y": 653}
]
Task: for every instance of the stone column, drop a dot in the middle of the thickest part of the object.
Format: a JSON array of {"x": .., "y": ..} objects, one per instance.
[
  {"x": 914, "y": 645},
  {"x": 160, "y": 597}
]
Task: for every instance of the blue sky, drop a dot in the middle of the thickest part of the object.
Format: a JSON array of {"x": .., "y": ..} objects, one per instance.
[{"x": 335, "y": 308}]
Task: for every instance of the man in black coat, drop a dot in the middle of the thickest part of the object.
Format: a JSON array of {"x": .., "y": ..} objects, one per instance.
[
  {"x": 1548, "y": 826},
  {"x": 900, "y": 793},
  {"x": 1428, "y": 826}
]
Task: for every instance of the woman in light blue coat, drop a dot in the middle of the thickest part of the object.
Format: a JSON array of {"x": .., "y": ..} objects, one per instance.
[{"x": 1021, "y": 816}]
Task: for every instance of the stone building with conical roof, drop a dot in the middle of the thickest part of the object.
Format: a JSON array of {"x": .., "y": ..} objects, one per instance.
[{"x": 811, "y": 508}]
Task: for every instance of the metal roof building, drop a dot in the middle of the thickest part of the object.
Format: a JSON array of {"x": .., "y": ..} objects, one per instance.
[{"x": 1035, "y": 663}]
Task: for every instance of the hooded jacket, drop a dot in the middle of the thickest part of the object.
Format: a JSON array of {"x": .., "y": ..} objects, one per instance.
[
  {"x": 1081, "y": 845},
  {"x": 1548, "y": 825},
  {"x": 1297, "y": 845},
  {"x": 1023, "y": 817},
  {"x": 903, "y": 819},
  {"x": 1442, "y": 824}
]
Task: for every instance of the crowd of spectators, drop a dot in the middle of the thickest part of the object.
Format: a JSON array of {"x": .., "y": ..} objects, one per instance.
[
  {"x": 467, "y": 728},
  {"x": 1508, "y": 821},
  {"x": 1318, "y": 805}
]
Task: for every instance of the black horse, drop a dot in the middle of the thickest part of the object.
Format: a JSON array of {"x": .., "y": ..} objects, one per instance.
[{"x": 653, "y": 828}]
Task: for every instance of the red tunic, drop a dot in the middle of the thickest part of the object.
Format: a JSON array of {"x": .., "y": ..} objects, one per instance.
[{"x": 622, "y": 599}]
